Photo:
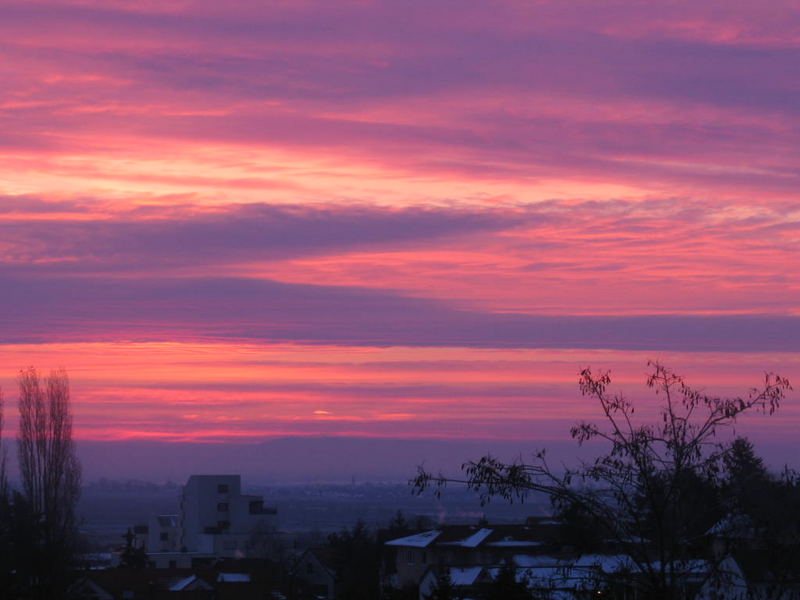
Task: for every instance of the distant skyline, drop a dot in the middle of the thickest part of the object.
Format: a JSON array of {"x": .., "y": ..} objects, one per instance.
[{"x": 238, "y": 221}]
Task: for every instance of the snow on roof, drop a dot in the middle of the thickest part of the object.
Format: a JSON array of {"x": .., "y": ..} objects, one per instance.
[
  {"x": 464, "y": 575},
  {"x": 555, "y": 577},
  {"x": 629, "y": 539},
  {"x": 419, "y": 540},
  {"x": 693, "y": 565},
  {"x": 513, "y": 543},
  {"x": 476, "y": 538},
  {"x": 233, "y": 578},
  {"x": 539, "y": 560},
  {"x": 677, "y": 565},
  {"x": 522, "y": 575},
  {"x": 563, "y": 577},
  {"x": 733, "y": 526},
  {"x": 608, "y": 563},
  {"x": 572, "y": 575},
  {"x": 552, "y": 576},
  {"x": 582, "y": 573},
  {"x": 472, "y": 541},
  {"x": 182, "y": 584}
]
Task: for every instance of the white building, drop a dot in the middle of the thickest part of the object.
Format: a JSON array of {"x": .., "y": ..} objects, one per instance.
[
  {"x": 215, "y": 521},
  {"x": 216, "y": 518},
  {"x": 163, "y": 533}
]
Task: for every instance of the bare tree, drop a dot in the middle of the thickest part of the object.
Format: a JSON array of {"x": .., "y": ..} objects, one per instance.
[
  {"x": 646, "y": 495},
  {"x": 51, "y": 477},
  {"x": 6, "y": 517},
  {"x": 3, "y": 472}
]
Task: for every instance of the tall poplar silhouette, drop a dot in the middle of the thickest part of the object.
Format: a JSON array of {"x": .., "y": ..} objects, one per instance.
[
  {"x": 3, "y": 465},
  {"x": 50, "y": 474}
]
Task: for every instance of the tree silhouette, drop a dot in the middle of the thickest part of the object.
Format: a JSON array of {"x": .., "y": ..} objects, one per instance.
[
  {"x": 643, "y": 493},
  {"x": 7, "y": 550},
  {"x": 443, "y": 589},
  {"x": 356, "y": 555},
  {"x": 51, "y": 479},
  {"x": 3, "y": 454},
  {"x": 398, "y": 526},
  {"x": 746, "y": 477},
  {"x": 762, "y": 528},
  {"x": 506, "y": 586},
  {"x": 132, "y": 557}
]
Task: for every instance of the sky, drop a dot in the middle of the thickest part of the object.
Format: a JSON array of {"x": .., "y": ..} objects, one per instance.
[{"x": 236, "y": 221}]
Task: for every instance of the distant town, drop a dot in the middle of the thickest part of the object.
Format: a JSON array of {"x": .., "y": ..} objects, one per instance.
[
  {"x": 223, "y": 543},
  {"x": 218, "y": 535}
]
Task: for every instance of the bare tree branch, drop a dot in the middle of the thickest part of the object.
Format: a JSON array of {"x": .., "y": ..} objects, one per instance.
[{"x": 643, "y": 491}]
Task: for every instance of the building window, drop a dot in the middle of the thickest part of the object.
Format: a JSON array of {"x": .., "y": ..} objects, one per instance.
[
  {"x": 223, "y": 525},
  {"x": 173, "y": 564},
  {"x": 222, "y": 506},
  {"x": 309, "y": 568},
  {"x": 163, "y": 536},
  {"x": 222, "y": 488}
]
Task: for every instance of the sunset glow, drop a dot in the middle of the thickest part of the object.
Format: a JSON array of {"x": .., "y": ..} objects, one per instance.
[{"x": 231, "y": 221}]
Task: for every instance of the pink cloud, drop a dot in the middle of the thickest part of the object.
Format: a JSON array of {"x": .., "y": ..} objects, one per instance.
[{"x": 369, "y": 175}]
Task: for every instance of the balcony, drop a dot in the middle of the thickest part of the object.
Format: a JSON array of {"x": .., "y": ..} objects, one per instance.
[{"x": 256, "y": 507}]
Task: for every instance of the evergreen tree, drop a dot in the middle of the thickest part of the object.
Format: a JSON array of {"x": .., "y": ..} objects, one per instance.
[
  {"x": 398, "y": 526},
  {"x": 443, "y": 589},
  {"x": 132, "y": 557},
  {"x": 746, "y": 478},
  {"x": 357, "y": 562},
  {"x": 506, "y": 586}
]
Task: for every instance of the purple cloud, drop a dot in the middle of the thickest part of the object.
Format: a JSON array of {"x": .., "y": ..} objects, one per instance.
[
  {"x": 79, "y": 309},
  {"x": 236, "y": 233}
]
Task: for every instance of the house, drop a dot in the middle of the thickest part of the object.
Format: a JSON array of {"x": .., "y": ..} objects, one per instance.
[
  {"x": 463, "y": 546},
  {"x": 473, "y": 556},
  {"x": 769, "y": 559},
  {"x": 222, "y": 580},
  {"x": 163, "y": 533},
  {"x": 466, "y": 580},
  {"x": 316, "y": 569},
  {"x": 593, "y": 575},
  {"x": 547, "y": 576}
]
